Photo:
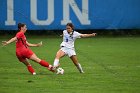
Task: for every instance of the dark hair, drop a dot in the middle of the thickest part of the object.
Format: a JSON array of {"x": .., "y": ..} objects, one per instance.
[
  {"x": 20, "y": 25},
  {"x": 71, "y": 25}
]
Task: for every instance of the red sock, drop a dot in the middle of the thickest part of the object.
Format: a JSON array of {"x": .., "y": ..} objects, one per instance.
[
  {"x": 44, "y": 63},
  {"x": 30, "y": 69}
]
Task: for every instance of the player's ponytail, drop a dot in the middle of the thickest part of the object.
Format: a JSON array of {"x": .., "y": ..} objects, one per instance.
[{"x": 20, "y": 25}]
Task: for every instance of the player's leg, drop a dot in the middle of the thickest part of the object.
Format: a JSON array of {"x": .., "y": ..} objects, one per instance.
[
  {"x": 41, "y": 62},
  {"x": 76, "y": 63},
  {"x": 59, "y": 54},
  {"x": 25, "y": 62},
  {"x": 31, "y": 55},
  {"x": 29, "y": 67}
]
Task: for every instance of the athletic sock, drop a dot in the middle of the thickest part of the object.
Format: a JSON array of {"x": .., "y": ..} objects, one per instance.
[
  {"x": 44, "y": 63},
  {"x": 30, "y": 69},
  {"x": 79, "y": 67},
  {"x": 56, "y": 63}
]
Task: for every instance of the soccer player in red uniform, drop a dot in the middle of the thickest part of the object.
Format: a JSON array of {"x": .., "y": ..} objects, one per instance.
[{"x": 23, "y": 52}]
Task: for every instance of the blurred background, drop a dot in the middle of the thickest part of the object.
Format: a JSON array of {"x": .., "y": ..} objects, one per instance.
[{"x": 106, "y": 17}]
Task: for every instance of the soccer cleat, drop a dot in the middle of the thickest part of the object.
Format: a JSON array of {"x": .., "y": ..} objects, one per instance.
[
  {"x": 33, "y": 73},
  {"x": 82, "y": 72},
  {"x": 51, "y": 68}
]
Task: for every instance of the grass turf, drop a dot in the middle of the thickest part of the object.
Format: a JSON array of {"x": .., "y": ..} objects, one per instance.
[{"x": 111, "y": 65}]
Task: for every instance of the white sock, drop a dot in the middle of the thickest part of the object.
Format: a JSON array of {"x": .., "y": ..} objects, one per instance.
[
  {"x": 56, "y": 63},
  {"x": 79, "y": 67}
]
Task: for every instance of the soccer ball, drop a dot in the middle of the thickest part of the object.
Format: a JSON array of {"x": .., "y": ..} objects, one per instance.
[{"x": 60, "y": 71}]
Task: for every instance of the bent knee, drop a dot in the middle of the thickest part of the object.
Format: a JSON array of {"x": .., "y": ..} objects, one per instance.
[{"x": 57, "y": 57}]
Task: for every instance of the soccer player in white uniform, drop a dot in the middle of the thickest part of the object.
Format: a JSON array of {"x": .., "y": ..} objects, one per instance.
[{"x": 67, "y": 46}]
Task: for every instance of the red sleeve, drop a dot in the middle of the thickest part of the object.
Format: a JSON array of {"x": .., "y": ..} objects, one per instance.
[{"x": 19, "y": 35}]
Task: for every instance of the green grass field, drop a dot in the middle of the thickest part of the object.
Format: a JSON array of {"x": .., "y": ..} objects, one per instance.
[{"x": 111, "y": 65}]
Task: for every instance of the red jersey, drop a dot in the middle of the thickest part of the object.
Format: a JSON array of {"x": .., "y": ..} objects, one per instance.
[
  {"x": 22, "y": 49},
  {"x": 21, "y": 41}
]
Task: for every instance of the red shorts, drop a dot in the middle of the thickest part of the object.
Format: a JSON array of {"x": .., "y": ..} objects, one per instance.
[{"x": 23, "y": 54}]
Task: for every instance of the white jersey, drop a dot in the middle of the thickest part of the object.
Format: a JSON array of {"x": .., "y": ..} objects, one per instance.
[{"x": 68, "y": 40}]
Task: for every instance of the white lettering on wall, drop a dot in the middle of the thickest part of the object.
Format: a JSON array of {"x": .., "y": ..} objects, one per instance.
[
  {"x": 81, "y": 15},
  {"x": 10, "y": 13},
  {"x": 50, "y": 13}
]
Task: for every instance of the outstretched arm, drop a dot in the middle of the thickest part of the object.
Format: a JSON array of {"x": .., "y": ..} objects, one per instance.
[
  {"x": 88, "y": 35},
  {"x": 34, "y": 45},
  {"x": 4, "y": 43}
]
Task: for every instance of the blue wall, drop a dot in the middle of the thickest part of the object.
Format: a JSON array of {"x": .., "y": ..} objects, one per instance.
[{"x": 99, "y": 14}]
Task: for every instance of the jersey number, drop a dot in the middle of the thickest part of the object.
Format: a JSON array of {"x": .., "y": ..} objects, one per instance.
[{"x": 66, "y": 39}]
